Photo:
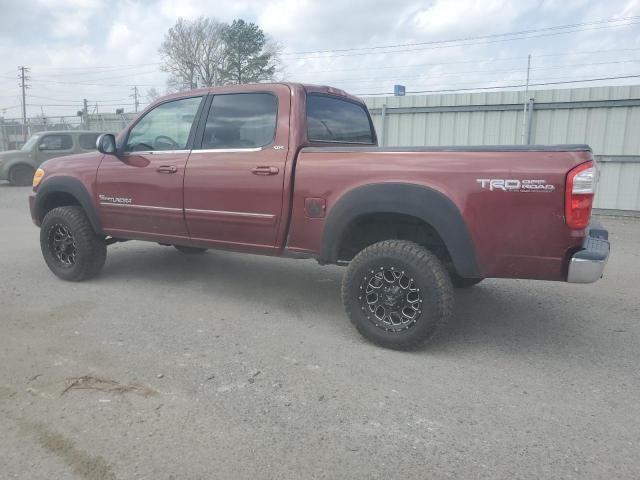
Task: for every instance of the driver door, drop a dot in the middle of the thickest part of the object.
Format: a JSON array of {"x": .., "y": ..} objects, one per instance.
[{"x": 139, "y": 190}]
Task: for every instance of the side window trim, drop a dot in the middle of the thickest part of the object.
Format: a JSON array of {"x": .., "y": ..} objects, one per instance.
[
  {"x": 232, "y": 150},
  {"x": 202, "y": 122},
  {"x": 205, "y": 117},
  {"x": 190, "y": 139}
]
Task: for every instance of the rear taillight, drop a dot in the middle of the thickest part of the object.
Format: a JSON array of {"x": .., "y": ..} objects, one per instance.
[{"x": 581, "y": 184}]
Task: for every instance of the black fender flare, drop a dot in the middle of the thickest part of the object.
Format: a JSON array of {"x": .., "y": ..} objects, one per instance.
[
  {"x": 73, "y": 187},
  {"x": 418, "y": 201}
]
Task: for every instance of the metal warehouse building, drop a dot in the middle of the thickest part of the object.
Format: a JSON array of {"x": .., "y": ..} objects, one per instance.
[{"x": 607, "y": 118}]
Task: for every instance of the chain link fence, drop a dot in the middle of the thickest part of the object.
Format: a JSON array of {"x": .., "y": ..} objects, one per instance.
[{"x": 13, "y": 131}]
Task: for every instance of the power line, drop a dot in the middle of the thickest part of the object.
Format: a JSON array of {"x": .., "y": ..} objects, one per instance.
[
  {"x": 369, "y": 80},
  {"x": 94, "y": 84},
  {"x": 134, "y": 95},
  {"x": 79, "y": 103},
  {"x": 465, "y": 39},
  {"x": 106, "y": 67},
  {"x": 23, "y": 85},
  {"x": 443, "y": 43},
  {"x": 585, "y": 80},
  {"x": 475, "y": 60},
  {"x": 74, "y": 99},
  {"x": 99, "y": 77}
]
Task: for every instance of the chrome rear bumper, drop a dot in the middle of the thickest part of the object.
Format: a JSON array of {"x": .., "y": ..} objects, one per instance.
[{"x": 587, "y": 265}]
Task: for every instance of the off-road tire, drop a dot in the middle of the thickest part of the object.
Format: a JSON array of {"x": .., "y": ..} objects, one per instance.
[
  {"x": 425, "y": 271},
  {"x": 21, "y": 175},
  {"x": 461, "y": 282},
  {"x": 91, "y": 249},
  {"x": 190, "y": 250}
]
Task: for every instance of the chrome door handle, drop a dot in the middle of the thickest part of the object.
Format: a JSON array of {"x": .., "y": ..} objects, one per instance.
[
  {"x": 167, "y": 169},
  {"x": 265, "y": 170}
]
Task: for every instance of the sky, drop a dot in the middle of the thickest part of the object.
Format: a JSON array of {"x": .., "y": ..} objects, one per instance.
[{"x": 100, "y": 49}]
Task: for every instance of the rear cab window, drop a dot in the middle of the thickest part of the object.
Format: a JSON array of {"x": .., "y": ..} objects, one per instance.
[{"x": 338, "y": 120}]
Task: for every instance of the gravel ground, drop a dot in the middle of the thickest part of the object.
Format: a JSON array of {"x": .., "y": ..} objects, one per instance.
[{"x": 235, "y": 366}]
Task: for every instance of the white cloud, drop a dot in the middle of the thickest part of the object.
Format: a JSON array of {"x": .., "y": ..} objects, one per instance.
[
  {"x": 69, "y": 17},
  {"x": 188, "y": 9},
  {"x": 65, "y": 40},
  {"x": 446, "y": 16},
  {"x": 119, "y": 35}
]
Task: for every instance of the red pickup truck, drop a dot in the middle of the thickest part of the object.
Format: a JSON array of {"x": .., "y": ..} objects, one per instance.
[{"x": 295, "y": 171}]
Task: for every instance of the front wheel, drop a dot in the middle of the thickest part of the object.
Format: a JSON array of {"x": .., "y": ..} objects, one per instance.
[
  {"x": 69, "y": 245},
  {"x": 397, "y": 294}
]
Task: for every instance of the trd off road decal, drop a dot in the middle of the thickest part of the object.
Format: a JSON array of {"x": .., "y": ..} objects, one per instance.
[
  {"x": 514, "y": 185},
  {"x": 115, "y": 200}
]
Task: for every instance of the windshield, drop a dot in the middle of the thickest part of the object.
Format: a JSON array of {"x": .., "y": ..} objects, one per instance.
[{"x": 30, "y": 143}]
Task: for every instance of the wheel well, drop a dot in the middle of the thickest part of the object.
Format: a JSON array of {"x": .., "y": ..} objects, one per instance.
[
  {"x": 55, "y": 200},
  {"x": 376, "y": 227},
  {"x": 22, "y": 164}
]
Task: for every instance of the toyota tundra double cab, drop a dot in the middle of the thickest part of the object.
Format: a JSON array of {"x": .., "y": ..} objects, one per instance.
[{"x": 295, "y": 171}]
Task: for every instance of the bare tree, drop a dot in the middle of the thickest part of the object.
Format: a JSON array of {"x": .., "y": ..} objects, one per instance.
[
  {"x": 273, "y": 49},
  {"x": 192, "y": 53},
  {"x": 152, "y": 94}
]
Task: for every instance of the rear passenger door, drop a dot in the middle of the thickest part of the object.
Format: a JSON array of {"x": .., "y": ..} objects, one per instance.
[{"x": 233, "y": 183}]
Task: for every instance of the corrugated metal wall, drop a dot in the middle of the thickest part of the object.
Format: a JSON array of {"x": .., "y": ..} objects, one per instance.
[{"x": 607, "y": 118}]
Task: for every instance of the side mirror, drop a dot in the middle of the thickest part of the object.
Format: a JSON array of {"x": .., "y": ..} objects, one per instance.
[
  {"x": 106, "y": 144},
  {"x": 42, "y": 146}
]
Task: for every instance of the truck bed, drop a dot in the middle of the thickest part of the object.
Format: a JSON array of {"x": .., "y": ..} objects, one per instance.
[{"x": 516, "y": 234}]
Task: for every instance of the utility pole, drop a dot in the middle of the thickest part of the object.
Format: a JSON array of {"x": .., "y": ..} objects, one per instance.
[
  {"x": 85, "y": 113},
  {"x": 525, "y": 101},
  {"x": 136, "y": 103},
  {"x": 24, "y": 85}
]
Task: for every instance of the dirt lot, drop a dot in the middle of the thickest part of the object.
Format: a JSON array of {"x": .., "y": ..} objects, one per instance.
[{"x": 230, "y": 366}]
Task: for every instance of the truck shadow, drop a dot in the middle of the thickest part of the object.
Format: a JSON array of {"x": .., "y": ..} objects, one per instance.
[
  {"x": 508, "y": 315},
  {"x": 503, "y": 315}
]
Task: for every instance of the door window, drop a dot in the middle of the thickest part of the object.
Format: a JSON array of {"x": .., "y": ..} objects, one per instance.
[
  {"x": 55, "y": 142},
  {"x": 241, "y": 120},
  {"x": 166, "y": 127},
  {"x": 87, "y": 141},
  {"x": 330, "y": 119}
]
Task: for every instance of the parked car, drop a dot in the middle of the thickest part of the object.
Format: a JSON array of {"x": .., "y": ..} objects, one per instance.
[
  {"x": 294, "y": 170},
  {"x": 18, "y": 166}
]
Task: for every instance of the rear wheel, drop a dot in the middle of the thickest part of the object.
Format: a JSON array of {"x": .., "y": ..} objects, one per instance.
[
  {"x": 397, "y": 294},
  {"x": 21, "y": 175},
  {"x": 190, "y": 250},
  {"x": 69, "y": 245}
]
